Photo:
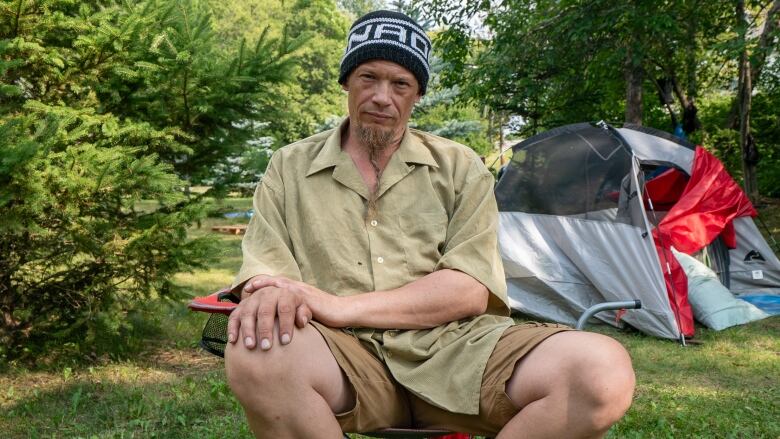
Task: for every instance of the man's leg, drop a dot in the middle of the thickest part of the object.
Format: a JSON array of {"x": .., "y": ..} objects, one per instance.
[
  {"x": 290, "y": 391},
  {"x": 573, "y": 384}
]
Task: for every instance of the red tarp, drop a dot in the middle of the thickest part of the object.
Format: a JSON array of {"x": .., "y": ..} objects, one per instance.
[{"x": 706, "y": 208}]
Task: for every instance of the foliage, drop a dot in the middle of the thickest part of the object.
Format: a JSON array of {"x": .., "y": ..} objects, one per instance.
[
  {"x": 183, "y": 76},
  {"x": 103, "y": 104},
  {"x": 559, "y": 62},
  {"x": 440, "y": 113},
  {"x": 312, "y": 93},
  {"x": 554, "y": 62}
]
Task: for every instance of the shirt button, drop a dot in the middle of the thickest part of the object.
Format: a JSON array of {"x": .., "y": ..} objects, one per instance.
[
  {"x": 374, "y": 223},
  {"x": 381, "y": 260}
]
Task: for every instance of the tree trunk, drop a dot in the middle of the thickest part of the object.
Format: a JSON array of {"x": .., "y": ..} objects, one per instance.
[
  {"x": 759, "y": 61},
  {"x": 634, "y": 77},
  {"x": 746, "y": 143}
]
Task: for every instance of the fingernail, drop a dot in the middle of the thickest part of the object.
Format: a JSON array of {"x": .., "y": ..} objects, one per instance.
[
  {"x": 248, "y": 342},
  {"x": 305, "y": 321},
  {"x": 285, "y": 338},
  {"x": 231, "y": 337},
  {"x": 265, "y": 344}
]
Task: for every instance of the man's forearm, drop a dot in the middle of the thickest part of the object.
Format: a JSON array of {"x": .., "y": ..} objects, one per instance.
[{"x": 440, "y": 297}]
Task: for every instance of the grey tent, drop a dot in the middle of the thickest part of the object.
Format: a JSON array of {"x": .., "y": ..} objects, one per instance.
[{"x": 577, "y": 220}]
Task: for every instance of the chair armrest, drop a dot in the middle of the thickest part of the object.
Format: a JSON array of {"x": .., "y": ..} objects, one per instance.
[
  {"x": 590, "y": 312},
  {"x": 221, "y": 302}
]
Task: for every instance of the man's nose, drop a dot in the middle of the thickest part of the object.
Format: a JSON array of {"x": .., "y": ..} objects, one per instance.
[{"x": 382, "y": 92}]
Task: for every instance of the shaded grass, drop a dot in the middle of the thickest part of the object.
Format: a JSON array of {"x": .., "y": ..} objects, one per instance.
[{"x": 165, "y": 387}]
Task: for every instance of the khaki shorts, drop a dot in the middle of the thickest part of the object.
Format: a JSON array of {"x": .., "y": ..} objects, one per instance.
[{"x": 381, "y": 402}]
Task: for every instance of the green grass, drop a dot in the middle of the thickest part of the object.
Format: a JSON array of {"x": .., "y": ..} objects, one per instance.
[{"x": 725, "y": 387}]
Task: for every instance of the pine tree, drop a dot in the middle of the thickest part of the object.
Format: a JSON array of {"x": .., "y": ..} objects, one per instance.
[{"x": 102, "y": 105}]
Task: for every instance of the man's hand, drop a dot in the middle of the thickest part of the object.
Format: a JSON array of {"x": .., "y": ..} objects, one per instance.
[{"x": 266, "y": 299}]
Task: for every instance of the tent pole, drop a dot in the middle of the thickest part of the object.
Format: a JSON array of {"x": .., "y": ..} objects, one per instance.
[
  {"x": 666, "y": 262},
  {"x": 643, "y": 188}
]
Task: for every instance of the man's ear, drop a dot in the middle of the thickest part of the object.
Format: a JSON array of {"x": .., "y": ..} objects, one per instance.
[{"x": 344, "y": 86}]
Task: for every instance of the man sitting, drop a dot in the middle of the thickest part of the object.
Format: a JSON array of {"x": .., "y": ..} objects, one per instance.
[{"x": 373, "y": 293}]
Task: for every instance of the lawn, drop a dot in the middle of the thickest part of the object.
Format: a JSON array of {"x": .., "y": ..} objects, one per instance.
[{"x": 156, "y": 383}]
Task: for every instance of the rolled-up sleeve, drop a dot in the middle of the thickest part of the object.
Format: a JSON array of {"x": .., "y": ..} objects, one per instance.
[
  {"x": 471, "y": 245},
  {"x": 266, "y": 247}
]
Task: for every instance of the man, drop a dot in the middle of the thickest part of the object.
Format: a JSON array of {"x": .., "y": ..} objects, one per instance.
[{"x": 372, "y": 289}]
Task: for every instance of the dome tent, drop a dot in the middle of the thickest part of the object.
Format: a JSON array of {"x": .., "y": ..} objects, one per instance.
[{"x": 588, "y": 213}]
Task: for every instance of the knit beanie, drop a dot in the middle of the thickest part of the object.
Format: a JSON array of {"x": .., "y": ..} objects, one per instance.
[{"x": 390, "y": 36}]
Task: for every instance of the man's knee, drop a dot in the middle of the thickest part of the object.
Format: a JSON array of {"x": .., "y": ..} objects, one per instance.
[
  {"x": 259, "y": 379},
  {"x": 591, "y": 372},
  {"x": 252, "y": 372},
  {"x": 604, "y": 378}
]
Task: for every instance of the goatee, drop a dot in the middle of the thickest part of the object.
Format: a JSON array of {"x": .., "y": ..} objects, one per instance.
[{"x": 376, "y": 140}]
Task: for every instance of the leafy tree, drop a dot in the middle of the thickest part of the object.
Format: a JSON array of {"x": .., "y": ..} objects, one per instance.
[
  {"x": 103, "y": 105},
  {"x": 551, "y": 62},
  {"x": 655, "y": 63},
  {"x": 751, "y": 62}
]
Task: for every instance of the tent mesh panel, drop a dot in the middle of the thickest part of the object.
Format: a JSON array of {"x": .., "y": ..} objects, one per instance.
[{"x": 572, "y": 170}]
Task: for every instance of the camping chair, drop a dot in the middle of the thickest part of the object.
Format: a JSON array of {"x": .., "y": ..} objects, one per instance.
[{"x": 223, "y": 302}]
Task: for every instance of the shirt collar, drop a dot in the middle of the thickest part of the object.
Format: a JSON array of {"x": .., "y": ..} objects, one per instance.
[
  {"x": 330, "y": 154},
  {"x": 413, "y": 149}
]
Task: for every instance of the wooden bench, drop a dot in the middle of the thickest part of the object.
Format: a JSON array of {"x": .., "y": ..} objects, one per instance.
[{"x": 238, "y": 229}]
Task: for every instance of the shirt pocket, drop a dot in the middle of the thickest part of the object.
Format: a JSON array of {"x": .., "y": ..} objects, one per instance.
[{"x": 423, "y": 240}]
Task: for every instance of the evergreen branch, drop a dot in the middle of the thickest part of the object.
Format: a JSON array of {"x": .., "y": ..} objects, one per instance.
[{"x": 16, "y": 19}]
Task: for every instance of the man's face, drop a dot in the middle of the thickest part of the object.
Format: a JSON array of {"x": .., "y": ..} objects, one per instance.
[{"x": 381, "y": 95}]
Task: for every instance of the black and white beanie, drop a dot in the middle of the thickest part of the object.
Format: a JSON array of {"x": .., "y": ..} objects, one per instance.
[{"x": 391, "y": 36}]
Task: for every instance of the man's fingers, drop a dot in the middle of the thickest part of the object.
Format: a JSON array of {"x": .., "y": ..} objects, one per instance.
[
  {"x": 285, "y": 309},
  {"x": 247, "y": 322},
  {"x": 302, "y": 316},
  {"x": 262, "y": 281},
  {"x": 266, "y": 315},
  {"x": 233, "y": 326}
]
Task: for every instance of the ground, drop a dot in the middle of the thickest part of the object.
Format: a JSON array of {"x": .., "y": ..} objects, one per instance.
[{"x": 157, "y": 383}]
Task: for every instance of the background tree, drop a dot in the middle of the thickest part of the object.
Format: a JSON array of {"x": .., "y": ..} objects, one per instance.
[
  {"x": 102, "y": 106},
  {"x": 752, "y": 58},
  {"x": 312, "y": 93},
  {"x": 653, "y": 63}
]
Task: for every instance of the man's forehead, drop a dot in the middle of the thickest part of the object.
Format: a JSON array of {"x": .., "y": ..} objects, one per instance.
[{"x": 386, "y": 67}]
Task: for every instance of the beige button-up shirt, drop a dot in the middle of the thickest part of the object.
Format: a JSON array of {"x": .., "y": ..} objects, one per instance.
[{"x": 436, "y": 210}]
